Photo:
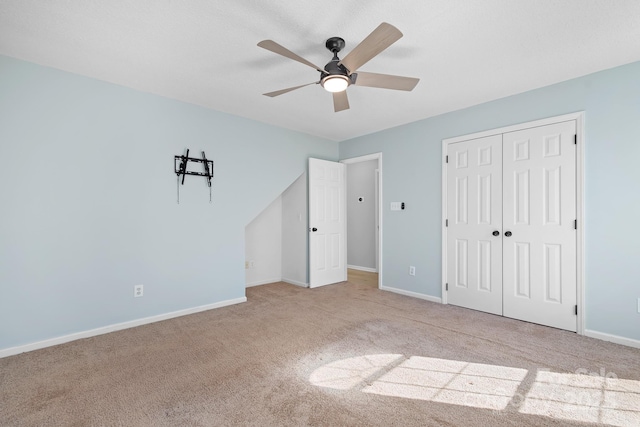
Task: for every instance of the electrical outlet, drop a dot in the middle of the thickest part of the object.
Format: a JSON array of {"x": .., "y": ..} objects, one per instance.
[
  {"x": 252, "y": 264},
  {"x": 246, "y": 265},
  {"x": 412, "y": 270},
  {"x": 138, "y": 291}
]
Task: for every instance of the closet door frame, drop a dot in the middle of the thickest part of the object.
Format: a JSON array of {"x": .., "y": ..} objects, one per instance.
[{"x": 579, "y": 118}]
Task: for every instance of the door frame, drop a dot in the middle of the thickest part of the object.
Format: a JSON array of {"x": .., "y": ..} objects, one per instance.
[
  {"x": 378, "y": 157},
  {"x": 580, "y": 214}
]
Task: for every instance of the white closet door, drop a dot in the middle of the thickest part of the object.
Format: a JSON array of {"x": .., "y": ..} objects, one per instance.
[
  {"x": 539, "y": 252},
  {"x": 474, "y": 199}
]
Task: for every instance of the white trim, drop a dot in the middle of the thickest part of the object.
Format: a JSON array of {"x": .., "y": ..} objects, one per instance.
[
  {"x": 365, "y": 158},
  {"x": 412, "y": 294},
  {"x": 580, "y": 216},
  {"x": 516, "y": 127},
  {"x": 630, "y": 342},
  {"x": 115, "y": 327},
  {"x": 580, "y": 206},
  {"x": 357, "y": 267},
  {"x": 376, "y": 220},
  {"x": 443, "y": 222},
  {"x": 263, "y": 282},
  {"x": 295, "y": 282}
]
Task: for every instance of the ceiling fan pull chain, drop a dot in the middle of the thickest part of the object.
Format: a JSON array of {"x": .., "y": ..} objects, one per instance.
[{"x": 178, "y": 187}]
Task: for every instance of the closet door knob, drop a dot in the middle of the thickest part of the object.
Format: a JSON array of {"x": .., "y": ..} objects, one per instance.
[
  {"x": 508, "y": 234},
  {"x": 314, "y": 229},
  {"x": 496, "y": 233}
]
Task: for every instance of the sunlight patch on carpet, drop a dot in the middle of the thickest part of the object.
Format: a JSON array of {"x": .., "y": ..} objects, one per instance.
[
  {"x": 578, "y": 397},
  {"x": 346, "y": 374},
  {"x": 450, "y": 381},
  {"x": 586, "y": 398},
  {"x": 424, "y": 378}
]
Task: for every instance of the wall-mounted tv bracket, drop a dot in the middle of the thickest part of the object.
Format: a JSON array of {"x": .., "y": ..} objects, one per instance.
[{"x": 180, "y": 168}]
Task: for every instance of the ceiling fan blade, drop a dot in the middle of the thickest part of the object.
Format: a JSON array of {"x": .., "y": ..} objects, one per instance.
[
  {"x": 281, "y": 50},
  {"x": 282, "y": 91},
  {"x": 380, "y": 39},
  {"x": 386, "y": 81},
  {"x": 340, "y": 101}
]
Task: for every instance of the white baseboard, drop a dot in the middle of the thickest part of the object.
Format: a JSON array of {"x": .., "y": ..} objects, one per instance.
[
  {"x": 295, "y": 282},
  {"x": 357, "y": 267},
  {"x": 629, "y": 342},
  {"x": 115, "y": 327},
  {"x": 266, "y": 282},
  {"x": 412, "y": 294},
  {"x": 263, "y": 282}
]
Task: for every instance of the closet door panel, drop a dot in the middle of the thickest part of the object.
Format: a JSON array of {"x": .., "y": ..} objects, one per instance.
[
  {"x": 539, "y": 209},
  {"x": 474, "y": 195}
]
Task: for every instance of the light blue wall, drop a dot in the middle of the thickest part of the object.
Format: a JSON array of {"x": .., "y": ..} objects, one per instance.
[
  {"x": 87, "y": 197},
  {"x": 412, "y": 174},
  {"x": 88, "y": 201}
]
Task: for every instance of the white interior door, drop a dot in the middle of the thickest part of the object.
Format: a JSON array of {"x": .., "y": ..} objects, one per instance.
[
  {"x": 539, "y": 253},
  {"x": 327, "y": 223},
  {"x": 474, "y": 234}
]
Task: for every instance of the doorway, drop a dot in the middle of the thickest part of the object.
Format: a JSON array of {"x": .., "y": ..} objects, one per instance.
[{"x": 364, "y": 213}]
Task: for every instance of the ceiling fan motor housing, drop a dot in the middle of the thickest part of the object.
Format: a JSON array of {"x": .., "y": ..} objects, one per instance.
[{"x": 333, "y": 69}]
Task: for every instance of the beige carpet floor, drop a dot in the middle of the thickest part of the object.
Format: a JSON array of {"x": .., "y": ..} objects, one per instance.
[{"x": 341, "y": 355}]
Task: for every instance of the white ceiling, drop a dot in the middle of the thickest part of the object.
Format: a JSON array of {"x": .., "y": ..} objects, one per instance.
[{"x": 204, "y": 51}]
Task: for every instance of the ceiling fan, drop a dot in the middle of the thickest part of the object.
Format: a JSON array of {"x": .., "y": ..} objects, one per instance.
[{"x": 339, "y": 74}]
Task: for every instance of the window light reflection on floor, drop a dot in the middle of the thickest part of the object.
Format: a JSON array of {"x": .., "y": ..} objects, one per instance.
[
  {"x": 450, "y": 381},
  {"x": 586, "y": 398},
  {"x": 347, "y": 374},
  {"x": 424, "y": 378},
  {"x": 578, "y": 397}
]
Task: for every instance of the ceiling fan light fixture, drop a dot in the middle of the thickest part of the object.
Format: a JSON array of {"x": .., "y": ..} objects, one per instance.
[{"x": 335, "y": 83}]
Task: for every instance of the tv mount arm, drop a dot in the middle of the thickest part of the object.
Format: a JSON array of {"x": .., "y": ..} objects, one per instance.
[{"x": 180, "y": 168}]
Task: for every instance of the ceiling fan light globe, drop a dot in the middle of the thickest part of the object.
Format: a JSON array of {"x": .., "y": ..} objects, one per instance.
[{"x": 335, "y": 83}]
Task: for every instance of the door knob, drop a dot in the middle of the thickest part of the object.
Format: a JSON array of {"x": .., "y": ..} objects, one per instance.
[
  {"x": 496, "y": 233},
  {"x": 508, "y": 234},
  {"x": 314, "y": 229}
]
